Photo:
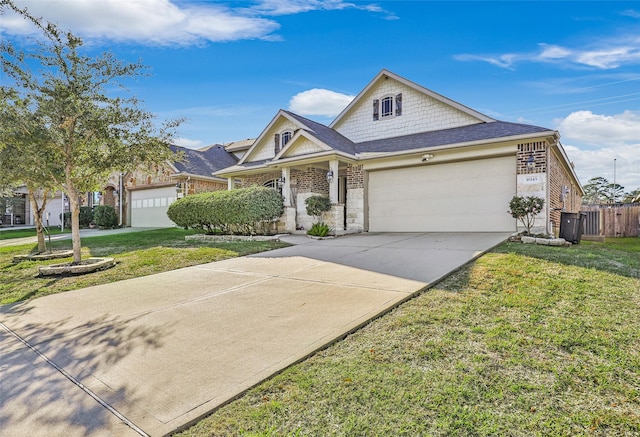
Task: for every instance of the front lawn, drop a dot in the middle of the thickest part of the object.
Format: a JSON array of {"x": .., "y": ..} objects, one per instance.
[
  {"x": 527, "y": 341},
  {"x": 136, "y": 254}
]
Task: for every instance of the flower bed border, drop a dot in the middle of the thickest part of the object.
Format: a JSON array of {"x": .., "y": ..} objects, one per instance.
[
  {"x": 231, "y": 238},
  {"x": 88, "y": 265}
]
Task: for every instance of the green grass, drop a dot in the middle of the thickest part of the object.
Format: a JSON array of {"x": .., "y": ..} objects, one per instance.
[
  {"x": 527, "y": 341},
  {"x": 136, "y": 254},
  {"x": 6, "y": 234}
]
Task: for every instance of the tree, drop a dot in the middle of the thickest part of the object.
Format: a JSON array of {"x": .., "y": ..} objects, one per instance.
[
  {"x": 87, "y": 133},
  {"x": 23, "y": 156},
  {"x": 597, "y": 191},
  {"x": 525, "y": 209},
  {"x": 632, "y": 197}
]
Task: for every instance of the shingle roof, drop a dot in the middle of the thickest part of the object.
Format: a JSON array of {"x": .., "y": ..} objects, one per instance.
[
  {"x": 204, "y": 163},
  {"x": 474, "y": 132},
  {"x": 325, "y": 134}
]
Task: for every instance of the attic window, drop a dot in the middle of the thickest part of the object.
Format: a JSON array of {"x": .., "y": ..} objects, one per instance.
[
  {"x": 285, "y": 137},
  {"x": 387, "y": 107}
]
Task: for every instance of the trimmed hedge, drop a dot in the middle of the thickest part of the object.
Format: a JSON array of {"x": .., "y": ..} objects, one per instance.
[
  {"x": 245, "y": 211},
  {"x": 105, "y": 216}
]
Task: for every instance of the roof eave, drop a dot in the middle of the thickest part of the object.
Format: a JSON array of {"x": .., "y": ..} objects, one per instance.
[{"x": 512, "y": 138}]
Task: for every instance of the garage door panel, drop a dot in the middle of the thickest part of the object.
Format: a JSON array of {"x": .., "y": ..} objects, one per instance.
[
  {"x": 149, "y": 207},
  {"x": 463, "y": 196}
]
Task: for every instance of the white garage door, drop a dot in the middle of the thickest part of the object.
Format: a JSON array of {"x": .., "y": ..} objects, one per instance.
[
  {"x": 469, "y": 196},
  {"x": 149, "y": 207}
]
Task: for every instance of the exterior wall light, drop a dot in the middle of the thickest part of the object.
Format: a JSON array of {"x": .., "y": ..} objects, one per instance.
[
  {"x": 426, "y": 157},
  {"x": 329, "y": 176},
  {"x": 531, "y": 161}
]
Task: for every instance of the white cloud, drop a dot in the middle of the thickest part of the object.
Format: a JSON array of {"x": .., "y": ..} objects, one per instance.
[
  {"x": 614, "y": 137},
  {"x": 289, "y": 7},
  {"x": 603, "y": 130},
  {"x": 318, "y": 101},
  {"x": 605, "y": 54},
  {"x": 187, "y": 143},
  {"x": 144, "y": 21},
  {"x": 168, "y": 22},
  {"x": 599, "y": 162}
]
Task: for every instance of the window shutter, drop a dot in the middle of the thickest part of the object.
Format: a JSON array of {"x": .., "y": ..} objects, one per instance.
[
  {"x": 277, "y": 143},
  {"x": 376, "y": 109},
  {"x": 399, "y": 105}
]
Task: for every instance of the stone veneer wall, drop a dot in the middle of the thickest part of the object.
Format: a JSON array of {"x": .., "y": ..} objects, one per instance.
[{"x": 355, "y": 198}]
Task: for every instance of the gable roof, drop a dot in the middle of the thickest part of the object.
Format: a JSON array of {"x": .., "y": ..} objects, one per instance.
[
  {"x": 203, "y": 162},
  {"x": 457, "y": 135},
  {"x": 325, "y": 134},
  {"x": 386, "y": 73}
]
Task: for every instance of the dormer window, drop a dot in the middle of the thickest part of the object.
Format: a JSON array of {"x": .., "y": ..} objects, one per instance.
[
  {"x": 285, "y": 137},
  {"x": 387, "y": 107},
  {"x": 280, "y": 140}
]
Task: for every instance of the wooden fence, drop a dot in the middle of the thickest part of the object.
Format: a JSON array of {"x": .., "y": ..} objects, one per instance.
[{"x": 612, "y": 220}]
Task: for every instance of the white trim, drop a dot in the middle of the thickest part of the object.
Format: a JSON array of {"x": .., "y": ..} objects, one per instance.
[{"x": 274, "y": 120}]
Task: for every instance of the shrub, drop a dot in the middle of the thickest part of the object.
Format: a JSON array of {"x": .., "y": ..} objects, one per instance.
[
  {"x": 85, "y": 217},
  {"x": 525, "y": 209},
  {"x": 319, "y": 230},
  {"x": 105, "y": 216},
  {"x": 244, "y": 211},
  {"x": 317, "y": 205}
]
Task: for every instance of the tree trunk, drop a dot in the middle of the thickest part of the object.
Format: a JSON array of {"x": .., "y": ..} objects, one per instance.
[
  {"x": 38, "y": 211},
  {"x": 74, "y": 205}
]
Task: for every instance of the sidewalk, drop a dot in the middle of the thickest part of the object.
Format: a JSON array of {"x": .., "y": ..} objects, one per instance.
[{"x": 84, "y": 233}]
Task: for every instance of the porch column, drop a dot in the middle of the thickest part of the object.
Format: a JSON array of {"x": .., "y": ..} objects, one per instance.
[
  {"x": 231, "y": 183},
  {"x": 286, "y": 186},
  {"x": 333, "y": 185}
]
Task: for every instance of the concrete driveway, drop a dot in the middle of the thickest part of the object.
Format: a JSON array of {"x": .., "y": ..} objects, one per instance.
[{"x": 149, "y": 355}]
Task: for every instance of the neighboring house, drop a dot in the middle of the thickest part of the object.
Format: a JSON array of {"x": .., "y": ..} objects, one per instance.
[
  {"x": 402, "y": 158},
  {"x": 17, "y": 210},
  {"x": 145, "y": 194}
]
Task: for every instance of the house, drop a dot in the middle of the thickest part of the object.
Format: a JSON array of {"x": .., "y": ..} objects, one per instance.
[
  {"x": 402, "y": 158},
  {"x": 142, "y": 197},
  {"x": 16, "y": 210}
]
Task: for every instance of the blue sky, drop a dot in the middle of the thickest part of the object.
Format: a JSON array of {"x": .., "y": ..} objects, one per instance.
[{"x": 228, "y": 66}]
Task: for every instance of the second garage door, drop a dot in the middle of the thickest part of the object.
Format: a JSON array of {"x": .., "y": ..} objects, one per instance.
[
  {"x": 469, "y": 196},
  {"x": 149, "y": 207}
]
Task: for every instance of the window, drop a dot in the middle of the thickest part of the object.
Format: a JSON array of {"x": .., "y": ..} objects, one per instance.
[
  {"x": 387, "y": 107},
  {"x": 276, "y": 184},
  {"x": 285, "y": 137}
]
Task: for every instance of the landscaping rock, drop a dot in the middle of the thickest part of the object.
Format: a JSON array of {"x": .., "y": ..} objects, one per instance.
[
  {"x": 229, "y": 238},
  {"x": 43, "y": 256},
  {"x": 89, "y": 265}
]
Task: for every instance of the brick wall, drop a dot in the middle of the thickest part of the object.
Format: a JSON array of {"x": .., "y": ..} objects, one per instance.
[
  {"x": 260, "y": 179},
  {"x": 559, "y": 178},
  {"x": 197, "y": 186},
  {"x": 355, "y": 176},
  {"x": 539, "y": 151},
  {"x": 311, "y": 180}
]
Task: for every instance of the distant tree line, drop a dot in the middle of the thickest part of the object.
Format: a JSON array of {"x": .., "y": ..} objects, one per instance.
[{"x": 599, "y": 190}]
